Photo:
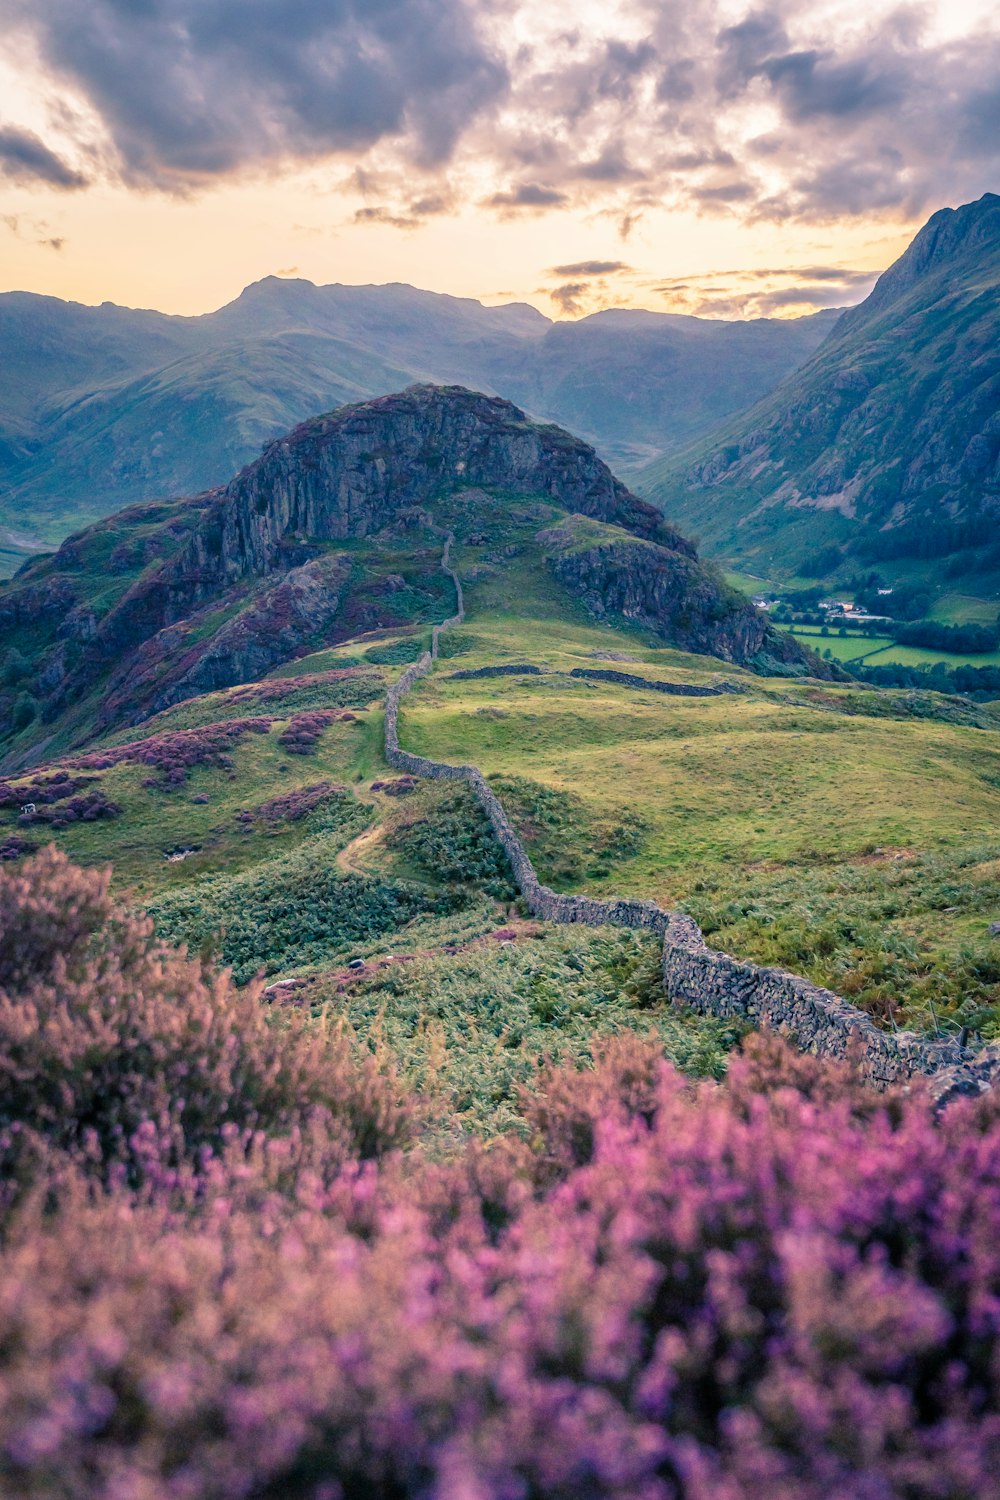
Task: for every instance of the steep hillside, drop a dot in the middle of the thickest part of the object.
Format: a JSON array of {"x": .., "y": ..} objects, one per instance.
[
  {"x": 103, "y": 406},
  {"x": 885, "y": 446},
  {"x": 334, "y": 531}
]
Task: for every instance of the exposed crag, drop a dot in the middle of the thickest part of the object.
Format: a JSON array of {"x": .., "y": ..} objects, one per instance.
[{"x": 331, "y": 533}]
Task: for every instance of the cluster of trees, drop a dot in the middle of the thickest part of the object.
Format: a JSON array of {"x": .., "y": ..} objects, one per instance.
[
  {"x": 981, "y": 683},
  {"x": 963, "y": 639}
]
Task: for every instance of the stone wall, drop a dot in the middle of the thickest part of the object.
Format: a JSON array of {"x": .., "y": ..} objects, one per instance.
[
  {"x": 678, "y": 689},
  {"x": 510, "y": 669},
  {"x": 695, "y": 974}
]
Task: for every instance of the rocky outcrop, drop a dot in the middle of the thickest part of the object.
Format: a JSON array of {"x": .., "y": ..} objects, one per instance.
[
  {"x": 679, "y": 599},
  {"x": 270, "y": 628},
  {"x": 349, "y": 473},
  {"x": 251, "y": 573}
]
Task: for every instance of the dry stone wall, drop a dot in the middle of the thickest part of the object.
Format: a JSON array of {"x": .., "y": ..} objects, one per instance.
[
  {"x": 678, "y": 689},
  {"x": 694, "y": 974}
]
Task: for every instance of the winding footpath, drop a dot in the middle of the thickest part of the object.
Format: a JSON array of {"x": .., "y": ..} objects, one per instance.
[{"x": 693, "y": 973}]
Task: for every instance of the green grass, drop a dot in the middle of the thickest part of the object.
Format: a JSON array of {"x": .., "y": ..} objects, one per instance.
[
  {"x": 841, "y": 648},
  {"x": 914, "y": 656},
  {"x": 966, "y": 609},
  {"x": 736, "y": 794},
  {"x": 469, "y": 1029},
  {"x": 759, "y": 811}
]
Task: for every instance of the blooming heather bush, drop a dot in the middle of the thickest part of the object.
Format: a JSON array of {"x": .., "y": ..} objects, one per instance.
[
  {"x": 301, "y": 732},
  {"x": 173, "y": 754},
  {"x": 89, "y": 808},
  {"x": 782, "y": 1288},
  {"x": 43, "y": 789},
  {"x": 105, "y": 1035}
]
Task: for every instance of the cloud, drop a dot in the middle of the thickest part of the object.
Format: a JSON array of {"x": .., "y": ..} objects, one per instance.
[
  {"x": 568, "y": 297},
  {"x": 778, "y": 110},
  {"x": 35, "y": 231},
  {"x": 376, "y": 215},
  {"x": 591, "y": 268},
  {"x": 190, "y": 91},
  {"x": 781, "y": 290},
  {"x": 530, "y": 195},
  {"x": 25, "y": 158}
]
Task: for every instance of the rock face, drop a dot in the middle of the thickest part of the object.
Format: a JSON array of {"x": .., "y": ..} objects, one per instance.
[
  {"x": 886, "y": 444},
  {"x": 679, "y": 599},
  {"x": 274, "y": 564},
  {"x": 347, "y": 474}
]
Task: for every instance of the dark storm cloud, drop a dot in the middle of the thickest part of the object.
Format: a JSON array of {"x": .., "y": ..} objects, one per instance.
[
  {"x": 25, "y": 158},
  {"x": 192, "y": 90}
]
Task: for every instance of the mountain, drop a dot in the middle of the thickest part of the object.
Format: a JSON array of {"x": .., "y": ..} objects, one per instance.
[
  {"x": 336, "y": 530},
  {"x": 102, "y": 406},
  {"x": 884, "y": 448}
]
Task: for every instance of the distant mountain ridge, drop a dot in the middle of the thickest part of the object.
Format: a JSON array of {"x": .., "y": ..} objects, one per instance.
[
  {"x": 885, "y": 446},
  {"x": 100, "y": 407}
]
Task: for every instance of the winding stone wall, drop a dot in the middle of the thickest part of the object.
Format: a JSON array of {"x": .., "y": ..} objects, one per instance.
[{"x": 695, "y": 974}]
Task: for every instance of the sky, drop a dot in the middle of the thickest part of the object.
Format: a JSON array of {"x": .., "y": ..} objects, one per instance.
[{"x": 696, "y": 156}]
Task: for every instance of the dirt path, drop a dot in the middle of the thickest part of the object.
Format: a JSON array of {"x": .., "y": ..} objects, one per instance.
[{"x": 349, "y": 858}]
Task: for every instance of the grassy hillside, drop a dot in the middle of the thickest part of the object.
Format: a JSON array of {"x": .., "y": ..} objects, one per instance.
[
  {"x": 848, "y": 834},
  {"x": 884, "y": 449}
]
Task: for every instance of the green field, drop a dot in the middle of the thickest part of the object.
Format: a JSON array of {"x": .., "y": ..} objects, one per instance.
[
  {"x": 841, "y": 648},
  {"x": 879, "y": 649},
  {"x": 915, "y": 656}
]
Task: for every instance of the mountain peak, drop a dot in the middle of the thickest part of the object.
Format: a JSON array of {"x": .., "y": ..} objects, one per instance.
[{"x": 950, "y": 236}]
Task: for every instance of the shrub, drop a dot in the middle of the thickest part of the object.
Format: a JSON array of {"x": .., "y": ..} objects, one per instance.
[
  {"x": 43, "y": 789},
  {"x": 292, "y": 806},
  {"x": 395, "y": 653},
  {"x": 301, "y": 733},
  {"x": 783, "y": 1286},
  {"x": 455, "y": 844},
  {"x": 292, "y": 911},
  {"x": 173, "y": 754},
  {"x": 691, "y": 1293},
  {"x": 25, "y": 710},
  {"x": 106, "y": 1035},
  {"x": 90, "y": 808}
]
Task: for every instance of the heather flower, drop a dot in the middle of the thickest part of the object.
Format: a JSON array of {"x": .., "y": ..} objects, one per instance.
[{"x": 230, "y": 1269}]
